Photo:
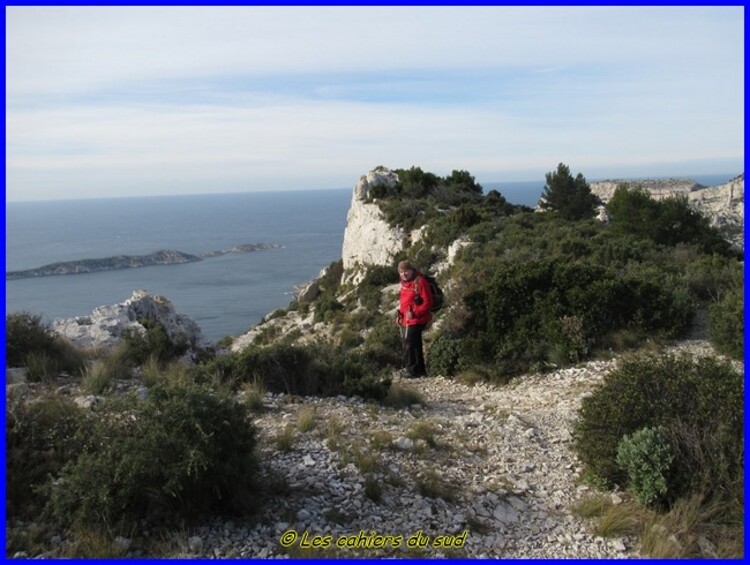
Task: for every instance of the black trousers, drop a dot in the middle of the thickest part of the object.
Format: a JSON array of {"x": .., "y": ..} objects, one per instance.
[{"x": 413, "y": 352}]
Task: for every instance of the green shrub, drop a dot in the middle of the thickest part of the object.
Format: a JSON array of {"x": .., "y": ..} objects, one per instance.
[
  {"x": 373, "y": 488},
  {"x": 281, "y": 368},
  {"x": 182, "y": 452},
  {"x": 446, "y": 355},
  {"x": 646, "y": 457},
  {"x": 26, "y": 335},
  {"x": 379, "y": 276},
  {"x": 326, "y": 307},
  {"x": 253, "y": 395},
  {"x": 465, "y": 217},
  {"x": 155, "y": 342},
  {"x": 668, "y": 222},
  {"x": 529, "y": 312},
  {"x": 382, "y": 348},
  {"x": 322, "y": 370},
  {"x": 703, "y": 398},
  {"x": 726, "y": 324},
  {"x": 369, "y": 291},
  {"x": 421, "y": 197},
  {"x": 40, "y": 440},
  {"x": 710, "y": 277},
  {"x": 709, "y": 463}
]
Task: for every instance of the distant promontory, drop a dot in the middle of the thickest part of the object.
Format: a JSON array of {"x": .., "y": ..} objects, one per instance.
[{"x": 163, "y": 257}]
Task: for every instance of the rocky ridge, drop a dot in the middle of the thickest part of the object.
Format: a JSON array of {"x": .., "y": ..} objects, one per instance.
[{"x": 724, "y": 205}]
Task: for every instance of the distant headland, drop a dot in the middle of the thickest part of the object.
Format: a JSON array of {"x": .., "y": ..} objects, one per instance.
[{"x": 163, "y": 257}]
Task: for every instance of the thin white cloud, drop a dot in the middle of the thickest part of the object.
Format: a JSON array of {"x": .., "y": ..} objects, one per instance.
[{"x": 123, "y": 100}]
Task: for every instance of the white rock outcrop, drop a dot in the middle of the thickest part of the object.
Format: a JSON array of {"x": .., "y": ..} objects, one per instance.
[
  {"x": 657, "y": 188},
  {"x": 368, "y": 238},
  {"x": 104, "y": 327}
]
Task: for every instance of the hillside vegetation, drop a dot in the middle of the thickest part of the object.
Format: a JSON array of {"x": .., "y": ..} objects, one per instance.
[{"x": 527, "y": 292}]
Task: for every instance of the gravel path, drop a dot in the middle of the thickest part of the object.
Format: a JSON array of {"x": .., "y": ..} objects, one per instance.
[
  {"x": 487, "y": 471},
  {"x": 472, "y": 471}
]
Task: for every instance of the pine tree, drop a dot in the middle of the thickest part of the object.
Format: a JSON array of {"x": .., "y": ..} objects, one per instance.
[{"x": 571, "y": 197}]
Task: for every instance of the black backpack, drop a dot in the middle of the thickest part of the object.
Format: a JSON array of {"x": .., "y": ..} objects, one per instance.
[{"x": 436, "y": 291}]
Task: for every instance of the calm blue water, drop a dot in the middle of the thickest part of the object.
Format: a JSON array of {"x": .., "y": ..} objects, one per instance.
[{"x": 224, "y": 295}]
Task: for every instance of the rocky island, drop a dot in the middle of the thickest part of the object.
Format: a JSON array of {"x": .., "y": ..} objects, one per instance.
[{"x": 162, "y": 257}]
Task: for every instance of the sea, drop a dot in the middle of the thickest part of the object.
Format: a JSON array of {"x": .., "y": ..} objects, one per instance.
[{"x": 225, "y": 295}]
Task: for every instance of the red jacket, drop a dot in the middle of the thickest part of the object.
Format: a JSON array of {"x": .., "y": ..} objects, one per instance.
[{"x": 408, "y": 301}]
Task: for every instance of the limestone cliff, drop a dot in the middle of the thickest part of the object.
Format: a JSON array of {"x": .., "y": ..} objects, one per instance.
[
  {"x": 368, "y": 238},
  {"x": 724, "y": 205}
]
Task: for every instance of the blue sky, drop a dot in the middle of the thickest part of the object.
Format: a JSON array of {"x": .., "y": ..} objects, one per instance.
[{"x": 131, "y": 101}]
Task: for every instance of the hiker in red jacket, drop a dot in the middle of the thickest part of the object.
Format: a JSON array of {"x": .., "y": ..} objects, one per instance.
[{"x": 415, "y": 302}]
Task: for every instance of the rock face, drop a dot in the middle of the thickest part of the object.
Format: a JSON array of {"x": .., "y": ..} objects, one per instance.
[
  {"x": 106, "y": 324},
  {"x": 368, "y": 239},
  {"x": 658, "y": 189},
  {"x": 724, "y": 205}
]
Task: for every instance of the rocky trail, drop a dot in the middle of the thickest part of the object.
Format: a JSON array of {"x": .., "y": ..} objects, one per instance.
[{"x": 487, "y": 471}]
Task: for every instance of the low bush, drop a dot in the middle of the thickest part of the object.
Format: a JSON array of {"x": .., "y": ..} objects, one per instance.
[
  {"x": 369, "y": 291},
  {"x": 529, "y": 313},
  {"x": 281, "y": 368},
  {"x": 699, "y": 403},
  {"x": 668, "y": 222},
  {"x": 711, "y": 277},
  {"x": 327, "y": 307},
  {"x": 26, "y": 335},
  {"x": 383, "y": 348},
  {"x": 180, "y": 453},
  {"x": 446, "y": 355},
  {"x": 646, "y": 457},
  {"x": 155, "y": 342},
  {"x": 40, "y": 440},
  {"x": 726, "y": 324},
  {"x": 304, "y": 370}
]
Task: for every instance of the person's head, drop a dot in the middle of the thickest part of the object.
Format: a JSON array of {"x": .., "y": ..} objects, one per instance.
[{"x": 406, "y": 270}]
